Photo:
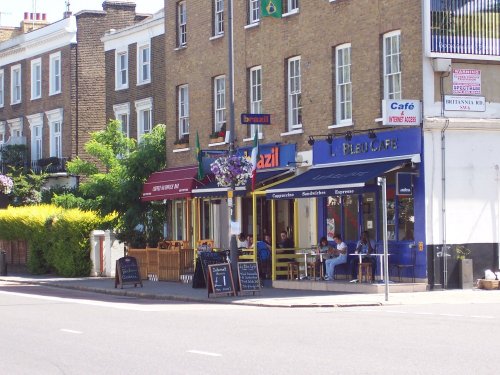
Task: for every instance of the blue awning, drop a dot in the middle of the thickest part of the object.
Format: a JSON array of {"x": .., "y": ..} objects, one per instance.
[
  {"x": 330, "y": 181},
  {"x": 211, "y": 189}
]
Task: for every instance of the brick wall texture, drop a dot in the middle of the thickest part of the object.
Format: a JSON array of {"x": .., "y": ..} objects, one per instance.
[{"x": 312, "y": 34}]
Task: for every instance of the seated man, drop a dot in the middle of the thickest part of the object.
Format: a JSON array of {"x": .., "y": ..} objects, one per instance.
[
  {"x": 285, "y": 243},
  {"x": 339, "y": 257},
  {"x": 365, "y": 246}
]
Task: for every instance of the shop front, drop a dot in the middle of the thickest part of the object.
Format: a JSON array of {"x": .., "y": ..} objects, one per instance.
[{"x": 344, "y": 182}]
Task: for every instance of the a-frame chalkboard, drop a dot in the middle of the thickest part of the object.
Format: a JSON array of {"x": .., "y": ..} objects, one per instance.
[
  {"x": 220, "y": 280},
  {"x": 205, "y": 258},
  {"x": 127, "y": 272},
  {"x": 248, "y": 277}
]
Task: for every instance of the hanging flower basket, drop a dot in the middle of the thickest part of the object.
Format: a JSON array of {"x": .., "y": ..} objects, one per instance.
[
  {"x": 6, "y": 184},
  {"x": 231, "y": 168}
]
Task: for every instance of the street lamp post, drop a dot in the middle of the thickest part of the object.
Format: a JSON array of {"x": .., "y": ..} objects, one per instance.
[{"x": 233, "y": 249}]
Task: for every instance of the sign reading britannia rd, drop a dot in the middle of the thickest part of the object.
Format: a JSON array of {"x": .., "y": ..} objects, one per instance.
[{"x": 255, "y": 118}]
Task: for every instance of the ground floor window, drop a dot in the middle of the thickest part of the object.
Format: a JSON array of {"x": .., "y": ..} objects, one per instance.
[
  {"x": 400, "y": 217},
  {"x": 176, "y": 220}
]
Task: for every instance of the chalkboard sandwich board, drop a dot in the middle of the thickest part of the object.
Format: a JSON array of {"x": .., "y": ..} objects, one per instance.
[
  {"x": 248, "y": 277},
  {"x": 201, "y": 270},
  {"x": 127, "y": 272},
  {"x": 220, "y": 280}
]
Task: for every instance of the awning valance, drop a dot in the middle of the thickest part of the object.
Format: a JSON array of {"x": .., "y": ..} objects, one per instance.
[
  {"x": 329, "y": 181},
  {"x": 171, "y": 183}
]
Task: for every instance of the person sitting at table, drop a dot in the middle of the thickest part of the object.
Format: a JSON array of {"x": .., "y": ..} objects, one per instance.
[
  {"x": 339, "y": 257},
  {"x": 285, "y": 243},
  {"x": 242, "y": 242},
  {"x": 249, "y": 241},
  {"x": 365, "y": 246}
]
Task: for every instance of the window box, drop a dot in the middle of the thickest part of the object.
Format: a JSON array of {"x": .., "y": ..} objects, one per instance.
[{"x": 182, "y": 143}]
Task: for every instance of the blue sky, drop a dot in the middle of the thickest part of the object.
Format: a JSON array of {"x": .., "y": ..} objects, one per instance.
[{"x": 12, "y": 11}]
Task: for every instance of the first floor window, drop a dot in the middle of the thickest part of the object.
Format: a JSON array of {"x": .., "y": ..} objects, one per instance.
[
  {"x": 392, "y": 65},
  {"x": 144, "y": 65},
  {"x": 1, "y": 88},
  {"x": 121, "y": 70},
  {"x": 291, "y": 5},
  {"x": 255, "y": 86},
  {"x": 294, "y": 94},
  {"x": 55, "y": 73},
  {"x": 15, "y": 77},
  {"x": 343, "y": 83},
  {"x": 220, "y": 103},
  {"x": 36, "y": 79},
  {"x": 181, "y": 24},
  {"x": 183, "y": 110},
  {"x": 253, "y": 11},
  {"x": 218, "y": 17}
]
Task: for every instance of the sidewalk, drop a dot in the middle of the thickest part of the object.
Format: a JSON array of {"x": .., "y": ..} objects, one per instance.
[{"x": 268, "y": 297}]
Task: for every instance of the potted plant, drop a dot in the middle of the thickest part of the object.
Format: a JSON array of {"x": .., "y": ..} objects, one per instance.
[
  {"x": 182, "y": 142},
  {"x": 219, "y": 136},
  {"x": 228, "y": 169},
  {"x": 465, "y": 276}
]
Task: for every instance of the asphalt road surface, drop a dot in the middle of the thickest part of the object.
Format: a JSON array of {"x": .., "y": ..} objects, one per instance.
[{"x": 56, "y": 331}]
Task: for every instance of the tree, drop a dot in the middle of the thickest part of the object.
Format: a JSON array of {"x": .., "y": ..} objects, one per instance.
[{"x": 113, "y": 182}]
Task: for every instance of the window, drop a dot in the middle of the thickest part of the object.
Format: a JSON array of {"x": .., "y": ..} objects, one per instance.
[
  {"x": 255, "y": 96},
  {"x": 253, "y": 11},
  {"x": 122, "y": 114},
  {"x": 392, "y": 65},
  {"x": 183, "y": 100},
  {"x": 15, "y": 84},
  {"x": 16, "y": 127},
  {"x": 2, "y": 136},
  {"x": 36, "y": 79},
  {"x": 36, "y": 127},
  {"x": 343, "y": 84},
  {"x": 55, "y": 74},
  {"x": 219, "y": 103},
  {"x": 218, "y": 9},
  {"x": 55, "y": 119},
  {"x": 291, "y": 6},
  {"x": 144, "y": 109},
  {"x": 121, "y": 70},
  {"x": 294, "y": 94},
  {"x": 1, "y": 88},
  {"x": 181, "y": 24},
  {"x": 144, "y": 64}
]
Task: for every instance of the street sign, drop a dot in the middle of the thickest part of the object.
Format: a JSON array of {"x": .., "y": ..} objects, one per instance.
[{"x": 255, "y": 118}]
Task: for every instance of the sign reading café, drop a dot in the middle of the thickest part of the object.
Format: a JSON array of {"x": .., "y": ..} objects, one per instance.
[{"x": 401, "y": 112}]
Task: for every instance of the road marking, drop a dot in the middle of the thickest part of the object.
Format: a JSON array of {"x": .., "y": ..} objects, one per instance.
[
  {"x": 397, "y": 312},
  {"x": 71, "y": 331},
  {"x": 423, "y": 313},
  {"x": 483, "y": 316},
  {"x": 453, "y": 315},
  {"x": 204, "y": 353}
]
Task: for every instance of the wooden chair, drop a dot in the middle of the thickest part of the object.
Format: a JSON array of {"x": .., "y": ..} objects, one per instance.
[
  {"x": 311, "y": 269},
  {"x": 366, "y": 270},
  {"x": 293, "y": 270}
]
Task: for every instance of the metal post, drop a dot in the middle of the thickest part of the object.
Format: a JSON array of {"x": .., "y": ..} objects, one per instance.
[
  {"x": 233, "y": 249},
  {"x": 382, "y": 183}
]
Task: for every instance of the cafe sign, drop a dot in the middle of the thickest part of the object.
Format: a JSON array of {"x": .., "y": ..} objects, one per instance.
[{"x": 401, "y": 112}]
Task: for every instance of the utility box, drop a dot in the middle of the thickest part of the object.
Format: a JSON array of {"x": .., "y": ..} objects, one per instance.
[{"x": 465, "y": 275}]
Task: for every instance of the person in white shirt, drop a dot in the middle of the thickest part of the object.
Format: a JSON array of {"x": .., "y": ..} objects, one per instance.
[
  {"x": 242, "y": 241},
  {"x": 339, "y": 257}
]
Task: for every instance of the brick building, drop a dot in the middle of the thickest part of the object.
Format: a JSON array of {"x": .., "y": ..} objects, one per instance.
[
  {"x": 52, "y": 82},
  {"x": 322, "y": 71},
  {"x": 135, "y": 75}
]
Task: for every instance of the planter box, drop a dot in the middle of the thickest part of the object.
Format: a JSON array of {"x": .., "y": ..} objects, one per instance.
[
  {"x": 181, "y": 145},
  {"x": 488, "y": 284},
  {"x": 217, "y": 140}
]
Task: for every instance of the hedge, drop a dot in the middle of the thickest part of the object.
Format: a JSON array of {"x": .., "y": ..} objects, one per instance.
[{"x": 58, "y": 239}]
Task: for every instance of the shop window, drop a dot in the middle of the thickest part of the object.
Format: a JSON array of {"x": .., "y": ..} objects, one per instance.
[
  {"x": 400, "y": 217},
  {"x": 342, "y": 217},
  {"x": 206, "y": 233}
]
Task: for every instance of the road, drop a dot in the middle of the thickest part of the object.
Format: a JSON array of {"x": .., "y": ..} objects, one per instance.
[{"x": 56, "y": 331}]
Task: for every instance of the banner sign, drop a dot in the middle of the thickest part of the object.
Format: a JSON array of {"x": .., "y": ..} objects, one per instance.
[
  {"x": 466, "y": 81},
  {"x": 404, "y": 183},
  {"x": 253, "y": 119}
]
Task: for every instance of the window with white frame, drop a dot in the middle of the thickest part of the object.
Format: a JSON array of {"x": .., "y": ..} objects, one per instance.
[
  {"x": 253, "y": 11},
  {"x": 294, "y": 94},
  {"x": 291, "y": 6},
  {"x": 343, "y": 84},
  {"x": 181, "y": 24},
  {"x": 219, "y": 103},
  {"x": 144, "y": 110},
  {"x": 55, "y": 73},
  {"x": 36, "y": 128},
  {"x": 15, "y": 84},
  {"x": 36, "y": 79},
  {"x": 143, "y": 64},
  {"x": 122, "y": 114},
  {"x": 183, "y": 110},
  {"x": 16, "y": 127},
  {"x": 55, "y": 120},
  {"x": 2, "y": 80},
  {"x": 218, "y": 10},
  {"x": 392, "y": 65},
  {"x": 2, "y": 135},
  {"x": 255, "y": 96},
  {"x": 121, "y": 70}
]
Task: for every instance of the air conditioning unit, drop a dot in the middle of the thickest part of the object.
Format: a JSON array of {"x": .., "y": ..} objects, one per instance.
[{"x": 441, "y": 65}]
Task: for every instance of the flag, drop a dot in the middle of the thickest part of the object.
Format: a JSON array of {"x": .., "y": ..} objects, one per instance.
[
  {"x": 199, "y": 157},
  {"x": 255, "y": 157},
  {"x": 270, "y": 8}
]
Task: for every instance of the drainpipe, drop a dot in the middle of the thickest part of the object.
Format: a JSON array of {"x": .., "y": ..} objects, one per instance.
[{"x": 444, "y": 249}]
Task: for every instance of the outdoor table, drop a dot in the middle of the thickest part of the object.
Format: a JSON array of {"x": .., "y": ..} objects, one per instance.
[{"x": 310, "y": 252}]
